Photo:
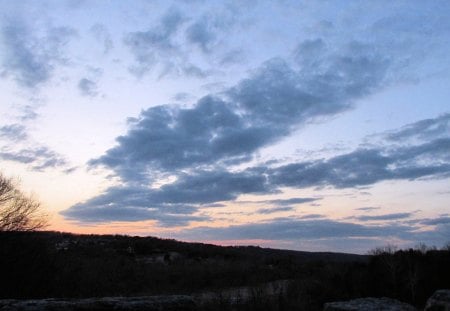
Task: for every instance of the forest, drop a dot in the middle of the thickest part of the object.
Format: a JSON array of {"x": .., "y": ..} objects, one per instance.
[{"x": 63, "y": 265}]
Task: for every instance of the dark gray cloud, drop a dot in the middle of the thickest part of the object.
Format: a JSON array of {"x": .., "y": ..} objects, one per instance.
[
  {"x": 212, "y": 186},
  {"x": 166, "y": 138},
  {"x": 427, "y": 157},
  {"x": 437, "y": 234},
  {"x": 201, "y": 34},
  {"x": 368, "y": 166},
  {"x": 88, "y": 87},
  {"x": 359, "y": 168},
  {"x": 258, "y": 111},
  {"x": 272, "y": 210},
  {"x": 311, "y": 216},
  {"x": 367, "y": 209},
  {"x": 206, "y": 31},
  {"x": 185, "y": 69},
  {"x": 292, "y": 201},
  {"x": 182, "y": 196},
  {"x": 393, "y": 216},
  {"x": 182, "y": 97},
  {"x": 196, "y": 144},
  {"x": 297, "y": 229},
  {"x": 438, "y": 127},
  {"x": 13, "y": 132},
  {"x": 172, "y": 216},
  {"x": 156, "y": 44},
  {"x": 168, "y": 48},
  {"x": 444, "y": 220},
  {"x": 134, "y": 204},
  {"x": 31, "y": 59},
  {"x": 37, "y": 158},
  {"x": 277, "y": 94},
  {"x": 17, "y": 145}
]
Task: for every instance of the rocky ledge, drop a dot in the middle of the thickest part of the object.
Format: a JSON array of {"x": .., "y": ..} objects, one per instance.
[
  {"x": 440, "y": 301},
  {"x": 369, "y": 304},
  {"x": 153, "y": 303}
]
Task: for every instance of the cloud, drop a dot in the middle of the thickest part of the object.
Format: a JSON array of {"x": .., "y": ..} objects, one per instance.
[
  {"x": 102, "y": 35},
  {"x": 17, "y": 144},
  {"x": 206, "y": 31},
  {"x": 296, "y": 229},
  {"x": 133, "y": 204},
  {"x": 166, "y": 138},
  {"x": 201, "y": 34},
  {"x": 182, "y": 97},
  {"x": 182, "y": 196},
  {"x": 183, "y": 44},
  {"x": 31, "y": 59},
  {"x": 311, "y": 216},
  {"x": 438, "y": 234},
  {"x": 38, "y": 158},
  {"x": 28, "y": 113},
  {"x": 230, "y": 128},
  {"x": 278, "y": 94},
  {"x": 212, "y": 186},
  {"x": 444, "y": 220},
  {"x": 112, "y": 213},
  {"x": 156, "y": 44},
  {"x": 361, "y": 167},
  {"x": 266, "y": 211},
  {"x": 282, "y": 202},
  {"x": 88, "y": 87},
  {"x": 393, "y": 216},
  {"x": 364, "y": 167},
  {"x": 197, "y": 146},
  {"x": 358, "y": 168},
  {"x": 422, "y": 130},
  {"x": 13, "y": 132},
  {"x": 367, "y": 209}
]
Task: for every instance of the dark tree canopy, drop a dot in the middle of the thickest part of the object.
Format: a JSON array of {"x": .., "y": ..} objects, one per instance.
[{"x": 19, "y": 212}]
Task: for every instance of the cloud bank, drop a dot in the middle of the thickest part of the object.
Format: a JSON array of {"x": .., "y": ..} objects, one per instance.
[{"x": 202, "y": 148}]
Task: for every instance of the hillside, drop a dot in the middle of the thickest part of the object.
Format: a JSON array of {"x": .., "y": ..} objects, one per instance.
[{"x": 63, "y": 265}]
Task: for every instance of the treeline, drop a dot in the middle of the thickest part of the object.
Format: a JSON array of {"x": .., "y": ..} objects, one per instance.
[{"x": 49, "y": 264}]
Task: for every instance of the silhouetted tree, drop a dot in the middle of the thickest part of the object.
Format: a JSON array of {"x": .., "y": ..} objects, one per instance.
[{"x": 19, "y": 212}]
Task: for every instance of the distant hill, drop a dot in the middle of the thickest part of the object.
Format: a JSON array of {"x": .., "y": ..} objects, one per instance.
[{"x": 145, "y": 246}]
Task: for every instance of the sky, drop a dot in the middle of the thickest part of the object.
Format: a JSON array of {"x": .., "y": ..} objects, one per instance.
[{"x": 307, "y": 125}]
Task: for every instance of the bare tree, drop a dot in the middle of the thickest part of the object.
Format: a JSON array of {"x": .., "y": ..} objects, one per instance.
[
  {"x": 391, "y": 263},
  {"x": 19, "y": 212}
]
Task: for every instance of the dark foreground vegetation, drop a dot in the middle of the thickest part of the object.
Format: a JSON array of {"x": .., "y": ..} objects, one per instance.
[{"x": 62, "y": 265}]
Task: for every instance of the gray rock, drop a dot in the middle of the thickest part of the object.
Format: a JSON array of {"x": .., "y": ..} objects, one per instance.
[
  {"x": 151, "y": 303},
  {"x": 439, "y": 301},
  {"x": 369, "y": 304}
]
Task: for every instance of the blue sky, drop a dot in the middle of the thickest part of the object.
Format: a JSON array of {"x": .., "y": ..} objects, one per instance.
[{"x": 312, "y": 125}]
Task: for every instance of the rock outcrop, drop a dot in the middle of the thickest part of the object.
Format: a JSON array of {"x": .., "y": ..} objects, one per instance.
[
  {"x": 369, "y": 304},
  {"x": 153, "y": 303},
  {"x": 439, "y": 301}
]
